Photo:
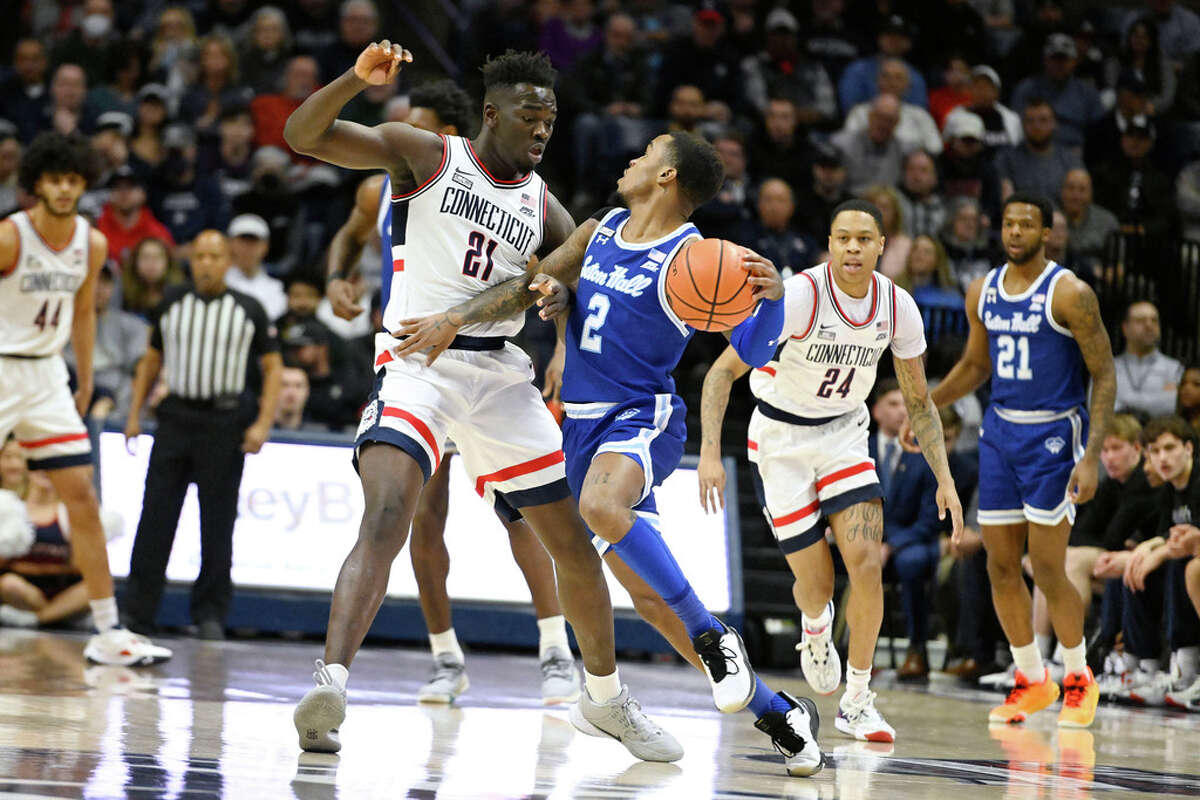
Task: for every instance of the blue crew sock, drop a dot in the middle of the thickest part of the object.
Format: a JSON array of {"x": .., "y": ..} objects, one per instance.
[
  {"x": 647, "y": 554},
  {"x": 765, "y": 700}
]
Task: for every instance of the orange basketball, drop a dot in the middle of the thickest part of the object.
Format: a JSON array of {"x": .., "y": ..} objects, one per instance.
[{"x": 706, "y": 285}]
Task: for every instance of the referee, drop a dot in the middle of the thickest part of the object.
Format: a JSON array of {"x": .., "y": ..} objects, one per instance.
[{"x": 205, "y": 335}]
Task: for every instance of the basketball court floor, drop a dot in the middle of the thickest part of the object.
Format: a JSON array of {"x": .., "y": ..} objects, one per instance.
[{"x": 215, "y": 722}]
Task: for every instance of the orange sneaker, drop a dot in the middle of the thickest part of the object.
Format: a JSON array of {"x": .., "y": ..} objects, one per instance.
[
  {"x": 1026, "y": 698},
  {"x": 1081, "y": 693}
]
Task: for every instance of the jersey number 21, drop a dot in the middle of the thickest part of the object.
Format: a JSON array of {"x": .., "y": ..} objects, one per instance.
[{"x": 1013, "y": 352}]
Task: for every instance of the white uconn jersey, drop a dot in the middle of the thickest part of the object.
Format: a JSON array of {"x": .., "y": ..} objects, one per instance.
[
  {"x": 827, "y": 366},
  {"x": 37, "y": 299},
  {"x": 458, "y": 233}
]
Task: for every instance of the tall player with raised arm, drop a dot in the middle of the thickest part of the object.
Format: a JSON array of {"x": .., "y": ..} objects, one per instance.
[
  {"x": 625, "y": 425},
  {"x": 808, "y": 436},
  {"x": 1036, "y": 332},
  {"x": 476, "y": 216},
  {"x": 444, "y": 108},
  {"x": 49, "y": 259}
]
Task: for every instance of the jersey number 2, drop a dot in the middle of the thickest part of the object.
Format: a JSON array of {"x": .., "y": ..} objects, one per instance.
[
  {"x": 831, "y": 377},
  {"x": 42, "y": 319},
  {"x": 479, "y": 250},
  {"x": 1010, "y": 347},
  {"x": 590, "y": 340}
]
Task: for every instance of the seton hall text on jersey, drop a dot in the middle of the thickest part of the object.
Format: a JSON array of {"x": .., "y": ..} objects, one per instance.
[
  {"x": 485, "y": 213},
  {"x": 50, "y": 282},
  {"x": 844, "y": 355},
  {"x": 1020, "y": 322},
  {"x": 618, "y": 280}
]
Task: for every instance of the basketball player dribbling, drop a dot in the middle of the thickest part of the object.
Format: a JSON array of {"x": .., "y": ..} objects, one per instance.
[
  {"x": 478, "y": 213},
  {"x": 625, "y": 425},
  {"x": 50, "y": 257},
  {"x": 1034, "y": 330},
  {"x": 808, "y": 438},
  {"x": 443, "y": 108}
]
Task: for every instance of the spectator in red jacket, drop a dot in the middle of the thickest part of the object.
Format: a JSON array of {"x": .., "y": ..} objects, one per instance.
[
  {"x": 125, "y": 219},
  {"x": 271, "y": 111}
]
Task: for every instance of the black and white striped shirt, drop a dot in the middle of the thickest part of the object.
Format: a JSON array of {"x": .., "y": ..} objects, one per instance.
[{"x": 207, "y": 342}]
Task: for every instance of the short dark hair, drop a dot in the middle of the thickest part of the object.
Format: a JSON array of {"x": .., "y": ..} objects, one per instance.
[
  {"x": 884, "y": 386},
  {"x": 1034, "y": 199},
  {"x": 864, "y": 206},
  {"x": 1039, "y": 101},
  {"x": 1129, "y": 308},
  {"x": 1173, "y": 424},
  {"x": 518, "y": 66},
  {"x": 306, "y": 279},
  {"x": 54, "y": 153},
  {"x": 449, "y": 101},
  {"x": 698, "y": 169}
]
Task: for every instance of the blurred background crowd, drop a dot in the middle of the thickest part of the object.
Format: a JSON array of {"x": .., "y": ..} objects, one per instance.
[{"x": 935, "y": 110}]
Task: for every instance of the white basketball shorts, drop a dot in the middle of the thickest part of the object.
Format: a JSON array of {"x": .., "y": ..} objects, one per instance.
[{"x": 37, "y": 407}]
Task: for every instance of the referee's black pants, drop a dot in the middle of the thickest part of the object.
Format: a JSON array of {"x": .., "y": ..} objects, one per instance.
[{"x": 191, "y": 445}]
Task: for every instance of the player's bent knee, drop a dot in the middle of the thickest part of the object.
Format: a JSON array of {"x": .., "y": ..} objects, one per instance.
[{"x": 603, "y": 515}]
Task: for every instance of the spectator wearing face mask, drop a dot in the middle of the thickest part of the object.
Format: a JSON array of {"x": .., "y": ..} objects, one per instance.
[
  {"x": 91, "y": 44},
  {"x": 186, "y": 200}
]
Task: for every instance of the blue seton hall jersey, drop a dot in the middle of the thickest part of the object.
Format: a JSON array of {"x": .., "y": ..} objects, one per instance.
[
  {"x": 623, "y": 339},
  {"x": 1036, "y": 365},
  {"x": 383, "y": 223}
]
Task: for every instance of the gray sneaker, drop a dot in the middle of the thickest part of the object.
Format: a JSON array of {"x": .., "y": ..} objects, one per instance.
[
  {"x": 560, "y": 679},
  {"x": 448, "y": 681},
  {"x": 622, "y": 719},
  {"x": 320, "y": 713}
]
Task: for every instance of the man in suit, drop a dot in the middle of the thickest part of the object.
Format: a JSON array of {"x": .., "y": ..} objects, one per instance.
[{"x": 910, "y": 522}]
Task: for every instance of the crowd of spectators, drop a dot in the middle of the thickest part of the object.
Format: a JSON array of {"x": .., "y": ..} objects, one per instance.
[{"x": 935, "y": 110}]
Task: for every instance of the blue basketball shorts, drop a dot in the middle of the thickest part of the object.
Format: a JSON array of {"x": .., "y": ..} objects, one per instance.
[
  {"x": 1025, "y": 463},
  {"x": 650, "y": 430}
]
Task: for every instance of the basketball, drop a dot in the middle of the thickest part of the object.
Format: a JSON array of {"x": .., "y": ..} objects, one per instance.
[{"x": 706, "y": 285}]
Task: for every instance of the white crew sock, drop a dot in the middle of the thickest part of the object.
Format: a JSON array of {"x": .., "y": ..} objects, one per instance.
[
  {"x": 552, "y": 632},
  {"x": 1148, "y": 665},
  {"x": 104, "y": 613},
  {"x": 446, "y": 643},
  {"x": 339, "y": 674},
  {"x": 1058, "y": 656},
  {"x": 602, "y": 688},
  {"x": 1045, "y": 644},
  {"x": 14, "y": 617},
  {"x": 1074, "y": 659},
  {"x": 1029, "y": 661},
  {"x": 857, "y": 681},
  {"x": 1188, "y": 660},
  {"x": 818, "y": 624}
]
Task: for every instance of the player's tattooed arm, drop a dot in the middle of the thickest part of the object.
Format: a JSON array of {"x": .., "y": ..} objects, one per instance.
[
  {"x": 502, "y": 301},
  {"x": 1075, "y": 304},
  {"x": 714, "y": 399},
  {"x": 927, "y": 426}
]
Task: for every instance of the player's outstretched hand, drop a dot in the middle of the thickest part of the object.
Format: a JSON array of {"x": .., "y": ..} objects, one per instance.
[
  {"x": 379, "y": 63},
  {"x": 433, "y": 333},
  {"x": 1082, "y": 486},
  {"x": 908, "y": 439},
  {"x": 712, "y": 484},
  {"x": 555, "y": 296},
  {"x": 552, "y": 378},
  {"x": 341, "y": 298},
  {"x": 947, "y": 501},
  {"x": 767, "y": 283}
]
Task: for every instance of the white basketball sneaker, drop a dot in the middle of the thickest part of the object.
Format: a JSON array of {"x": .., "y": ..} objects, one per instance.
[
  {"x": 448, "y": 681},
  {"x": 819, "y": 659},
  {"x": 119, "y": 647},
  {"x": 859, "y": 719},
  {"x": 622, "y": 719},
  {"x": 1186, "y": 698},
  {"x": 560, "y": 679},
  {"x": 320, "y": 713},
  {"x": 727, "y": 666},
  {"x": 794, "y": 735}
]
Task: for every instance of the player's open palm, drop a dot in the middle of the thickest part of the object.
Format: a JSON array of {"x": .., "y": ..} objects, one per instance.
[
  {"x": 764, "y": 278},
  {"x": 712, "y": 484},
  {"x": 379, "y": 63}
]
